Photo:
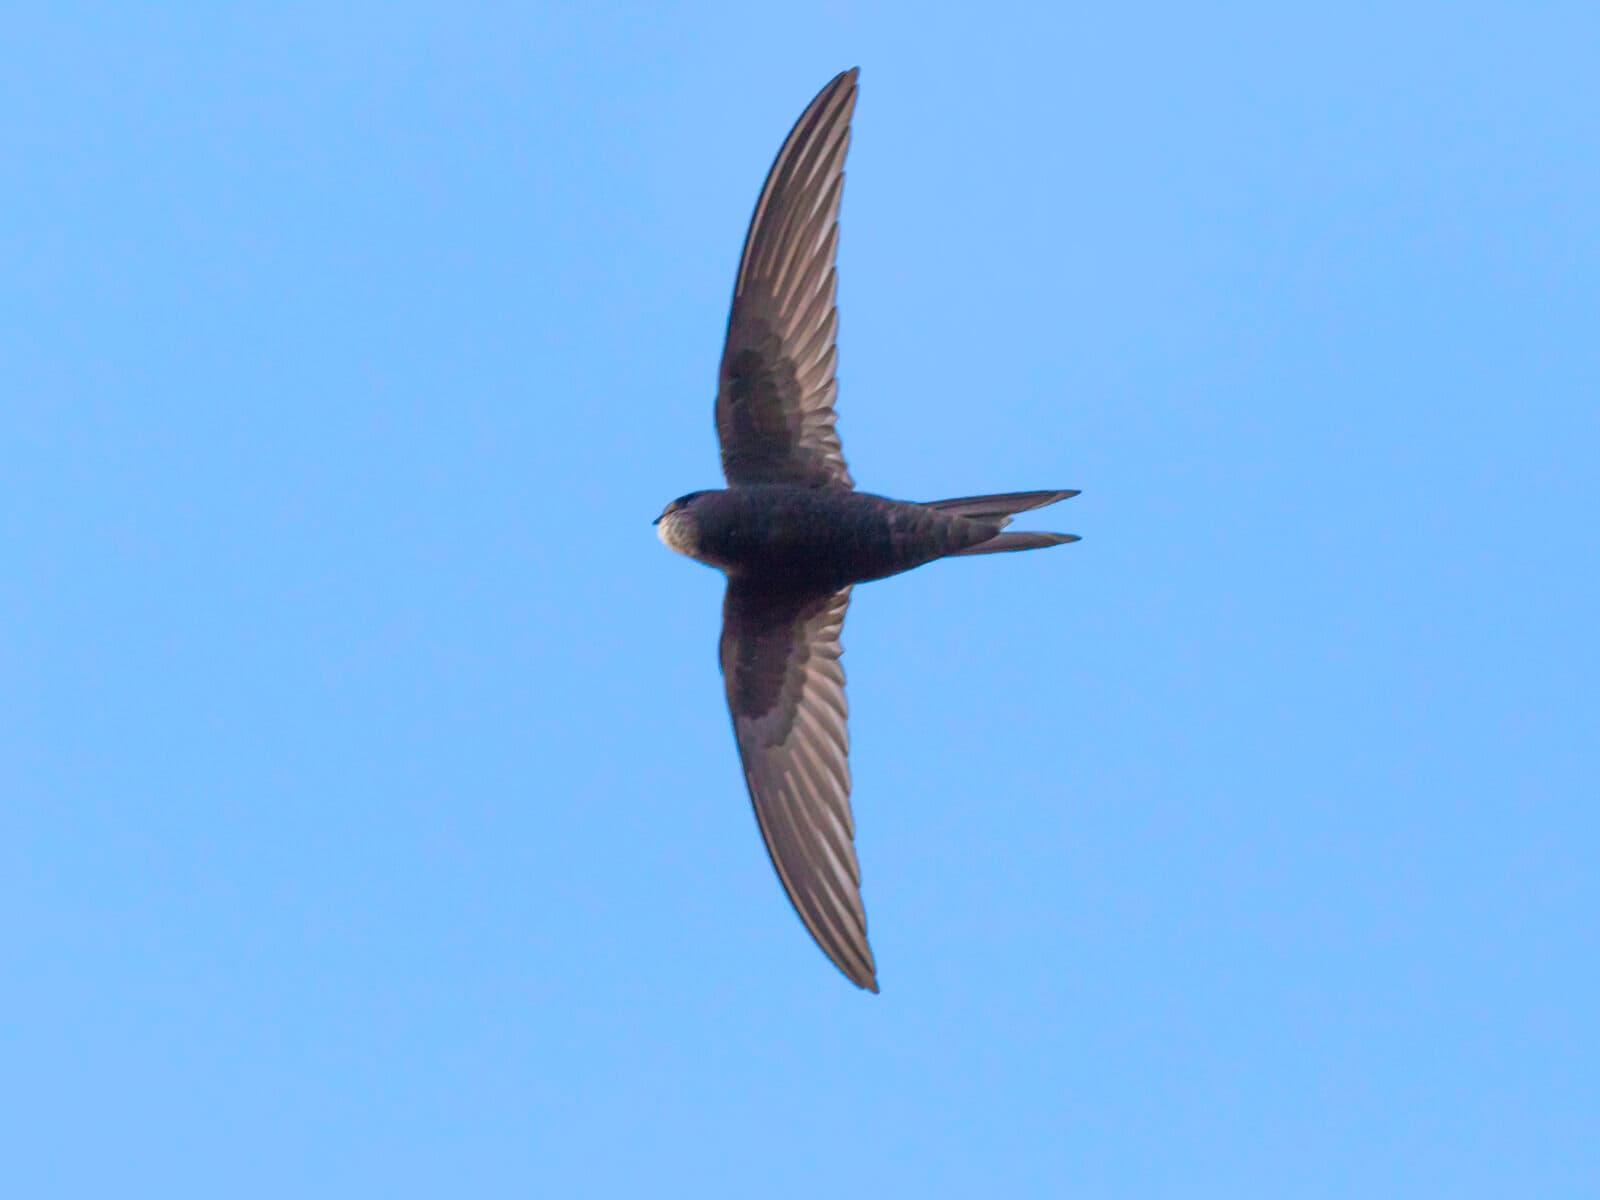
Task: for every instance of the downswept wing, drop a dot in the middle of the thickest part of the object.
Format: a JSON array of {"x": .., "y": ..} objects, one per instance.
[
  {"x": 776, "y": 388},
  {"x": 780, "y": 665}
]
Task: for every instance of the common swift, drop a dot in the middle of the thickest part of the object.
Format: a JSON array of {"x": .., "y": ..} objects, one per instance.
[{"x": 793, "y": 535}]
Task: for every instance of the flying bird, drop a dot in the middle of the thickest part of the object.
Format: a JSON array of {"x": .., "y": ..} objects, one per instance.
[{"x": 793, "y": 535}]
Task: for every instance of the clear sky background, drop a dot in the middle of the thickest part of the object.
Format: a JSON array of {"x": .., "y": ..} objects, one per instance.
[{"x": 371, "y": 824}]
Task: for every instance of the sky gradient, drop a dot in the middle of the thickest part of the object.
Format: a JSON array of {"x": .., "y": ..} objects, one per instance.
[{"x": 370, "y": 823}]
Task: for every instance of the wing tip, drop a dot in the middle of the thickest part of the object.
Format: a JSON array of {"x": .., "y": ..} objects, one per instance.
[
  {"x": 864, "y": 975},
  {"x": 846, "y": 82}
]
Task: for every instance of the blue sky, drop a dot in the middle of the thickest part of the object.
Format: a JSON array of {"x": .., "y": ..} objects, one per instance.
[{"x": 371, "y": 824}]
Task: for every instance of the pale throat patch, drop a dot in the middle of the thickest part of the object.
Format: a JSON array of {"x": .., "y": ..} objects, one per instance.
[{"x": 677, "y": 530}]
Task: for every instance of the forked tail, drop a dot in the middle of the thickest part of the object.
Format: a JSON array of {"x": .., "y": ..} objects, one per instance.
[{"x": 999, "y": 509}]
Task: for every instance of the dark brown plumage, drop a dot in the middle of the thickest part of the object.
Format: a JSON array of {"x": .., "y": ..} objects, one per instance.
[{"x": 793, "y": 535}]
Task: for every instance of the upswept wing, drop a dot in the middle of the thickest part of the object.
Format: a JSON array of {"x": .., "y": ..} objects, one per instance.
[
  {"x": 776, "y": 389},
  {"x": 780, "y": 665}
]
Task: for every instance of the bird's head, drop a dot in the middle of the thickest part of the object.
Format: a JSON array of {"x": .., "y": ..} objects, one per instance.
[{"x": 677, "y": 526}]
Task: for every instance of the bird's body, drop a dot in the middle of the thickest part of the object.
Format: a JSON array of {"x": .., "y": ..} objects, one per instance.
[
  {"x": 818, "y": 539},
  {"x": 793, "y": 535}
]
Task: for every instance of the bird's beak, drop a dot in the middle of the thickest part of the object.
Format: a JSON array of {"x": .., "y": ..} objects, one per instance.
[{"x": 657, "y": 521}]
